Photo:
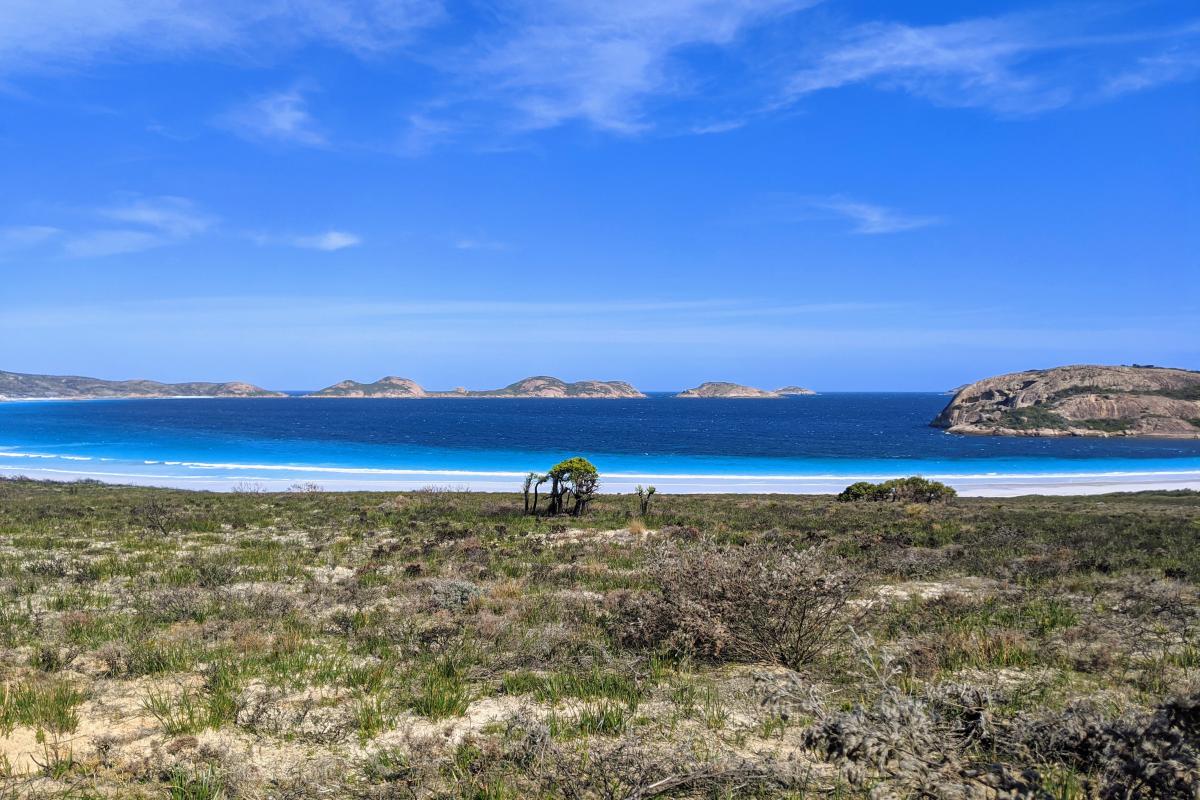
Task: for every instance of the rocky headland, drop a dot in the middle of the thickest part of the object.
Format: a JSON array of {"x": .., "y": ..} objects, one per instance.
[{"x": 1081, "y": 400}]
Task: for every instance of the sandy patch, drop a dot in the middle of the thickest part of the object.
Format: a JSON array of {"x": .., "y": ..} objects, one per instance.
[{"x": 587, "y": 535}]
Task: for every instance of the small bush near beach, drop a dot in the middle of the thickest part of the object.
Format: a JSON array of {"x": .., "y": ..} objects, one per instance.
[
  {"x": 898, "y": 490},
  {"x": 446, "y": 644}
]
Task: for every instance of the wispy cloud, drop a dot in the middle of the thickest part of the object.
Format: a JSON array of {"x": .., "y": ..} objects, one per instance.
[
  {"x": 480, "y": 244},
  {"x": 373, "y": 315},
  {"x": 1151, "y": 71},
  {"x": 154, "y": 222},
  {"x": 328, "y": 241},
  {"x": 1018, "y": 64},
  {"x": 625, "y": 67},
  {"x": 100, "y": 243},
  {"x": 279, "y": 117},
  {"x": 21, "y": 237},
  {"x": 53, "y": 33},
  {"x": 599, "y": 61},
  {"x": 871, "y": 219},
  {"x": 176, "y": 217}
]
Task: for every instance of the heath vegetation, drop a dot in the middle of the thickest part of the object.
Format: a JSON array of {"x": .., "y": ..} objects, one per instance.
[{"x": 447, "y": 644}]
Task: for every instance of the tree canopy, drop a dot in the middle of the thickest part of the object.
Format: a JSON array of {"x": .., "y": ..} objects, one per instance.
[{"x": 573, "y": 480}]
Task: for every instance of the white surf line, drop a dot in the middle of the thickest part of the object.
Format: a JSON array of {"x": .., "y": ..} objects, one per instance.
[
  {"x": 990, "y": 487},
  {"x": 688, "y": 476}
]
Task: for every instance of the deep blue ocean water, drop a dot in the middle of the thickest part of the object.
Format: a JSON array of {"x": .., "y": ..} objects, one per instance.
[{"x": 841, "y": 435}]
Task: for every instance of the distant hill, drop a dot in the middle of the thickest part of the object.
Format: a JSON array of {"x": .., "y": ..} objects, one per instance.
[
  {"x": 542, "y": 386},
  {"x": 546, "y": 386},
  {"x": 719, "y": 389},
  {"x": 391, "y": 387},
  {"x": 21, "y": 386},
  {"x": 793, "y": 391},
  {"x": 1081, "y": 400}
]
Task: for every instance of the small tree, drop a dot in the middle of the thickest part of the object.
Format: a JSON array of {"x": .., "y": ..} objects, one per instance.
[
  {"x": 644, "y": 494},
  {"x": 529, "y": 479},
  {"x": 576, "y": 479},
  {"x": 537, "y": 484}
]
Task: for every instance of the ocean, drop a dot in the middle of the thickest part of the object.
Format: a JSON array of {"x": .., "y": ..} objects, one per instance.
[{"x": 808, "y": 444}]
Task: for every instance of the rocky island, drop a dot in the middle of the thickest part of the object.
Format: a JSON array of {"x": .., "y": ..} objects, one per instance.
[
  {"x": 724, "y": 389},
  {"x": 22, "y": 386},
  {"x": 386, "y": 387},
  {"x": 539, "y": 386},
  {"x": 1081, "y": 400}
]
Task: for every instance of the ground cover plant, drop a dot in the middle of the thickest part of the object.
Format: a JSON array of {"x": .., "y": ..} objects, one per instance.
[{"x": 168, "y": 644}]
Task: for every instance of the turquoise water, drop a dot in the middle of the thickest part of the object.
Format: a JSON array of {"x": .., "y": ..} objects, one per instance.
[{"x": 804, "y": 443}]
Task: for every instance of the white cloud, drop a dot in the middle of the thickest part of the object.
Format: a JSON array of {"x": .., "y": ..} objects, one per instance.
[
  {"x": 155, "y": 221},
  {"x": 480, "y": 244},
  {"x": 1020, "y": 64},
  {"x": 1151, "y": 71},
  {"x": 328, "y": 241},
  {"x": 871, "y": 219},
  {"x": 99, "y": 243},
  {"x": 21, "y": 237},
  {"x": 621, "y": 66},
  {"x": 54, "y": 33},
  {"x": 280, "y": 116},
  {"x": 599, "y": 60},
  {"x": 175, "y": 217}
]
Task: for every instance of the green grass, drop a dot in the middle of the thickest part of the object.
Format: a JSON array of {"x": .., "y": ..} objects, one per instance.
[
  {"x": 439, "y": 696},
  {"x": 46, "y": 705},
  {"x": 593, "y": 684},
  {"x": 202, "y": 784},
  {"x": 600, "y": 719},
  {"x": 189, "y": 712}
]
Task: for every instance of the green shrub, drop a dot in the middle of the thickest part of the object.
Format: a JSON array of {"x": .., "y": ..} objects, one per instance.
[
  {"x": 863, "y": 490},
  {"x": 914, "y": 489},
  {"x": 1031, "y": 418}
]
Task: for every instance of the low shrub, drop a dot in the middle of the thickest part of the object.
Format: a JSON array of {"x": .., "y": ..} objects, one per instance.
[
  {"x": 754, "y": 603},
  {"x": 914, "y": 489}
]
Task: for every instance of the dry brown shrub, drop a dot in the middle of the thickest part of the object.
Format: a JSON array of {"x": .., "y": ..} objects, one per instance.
[{"x": 754, "y": 603}]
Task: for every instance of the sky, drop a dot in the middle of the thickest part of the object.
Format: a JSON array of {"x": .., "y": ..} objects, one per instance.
[{"x": 843, "y": 195}]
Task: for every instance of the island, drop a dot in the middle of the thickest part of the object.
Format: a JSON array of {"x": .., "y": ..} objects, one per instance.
[
  {"x": 725, "y": 389},
  {"x": 538, "y": 386},
  {"x": 23, "y": 386},
  {"x": 386, "y": 387},
  {"x": 1079, "y": 400}
]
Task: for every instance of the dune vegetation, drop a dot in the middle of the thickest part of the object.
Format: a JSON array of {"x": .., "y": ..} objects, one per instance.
[{"x": 168, "y": 644}]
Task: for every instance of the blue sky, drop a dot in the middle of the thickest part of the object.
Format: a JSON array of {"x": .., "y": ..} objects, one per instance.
[{"x": 847, "y": 195}]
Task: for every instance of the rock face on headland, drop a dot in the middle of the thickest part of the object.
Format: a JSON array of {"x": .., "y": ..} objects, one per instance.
[
  {"x": 537, "y": 386},
  {"x": 22, "y": 386},
  {"x": 1082, "y": 400}
]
